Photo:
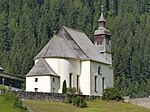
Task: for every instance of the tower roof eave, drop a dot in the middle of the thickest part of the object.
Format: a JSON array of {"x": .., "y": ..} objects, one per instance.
[{"x": 102, "y": 31}]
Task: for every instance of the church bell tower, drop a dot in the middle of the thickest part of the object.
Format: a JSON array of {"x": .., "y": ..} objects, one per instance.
[{"x": 102, "y": 38}]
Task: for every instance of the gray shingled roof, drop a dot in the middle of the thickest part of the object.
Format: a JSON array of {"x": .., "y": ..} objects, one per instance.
[
  {"x": 86, "y": 45},
  {"x": 57, "y": 47},
  {"x": 102, "y": 30},
  {"x": 41, "y": 68}
]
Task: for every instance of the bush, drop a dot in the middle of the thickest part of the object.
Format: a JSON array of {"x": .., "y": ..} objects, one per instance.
[
  {"x": 2, "y": 87},
  {"x": 17, "y": 102},
  {"x": 77, "y": 100},
  {"x": 71, "y": 90},
  {"x": 64, "y": 89},
  {"x": 112, "y": 94},
  {"x": 82, "y": 104},
  {"x": 13, "y": 98}
]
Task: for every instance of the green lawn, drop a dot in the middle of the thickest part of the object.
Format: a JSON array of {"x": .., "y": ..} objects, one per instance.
[
  {"x": 7, "y": 106},
  {"x": 93, "y": 106}
]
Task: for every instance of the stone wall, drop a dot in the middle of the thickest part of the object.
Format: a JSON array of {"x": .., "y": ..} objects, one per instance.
[
  {"x": 48, "y": 96},
  {"x": 42, "y": 96}
]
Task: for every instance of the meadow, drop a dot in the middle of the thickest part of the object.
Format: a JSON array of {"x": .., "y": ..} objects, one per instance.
[
  {"x": 93, "y": 106},
  {"x": 7, "y": 106}
]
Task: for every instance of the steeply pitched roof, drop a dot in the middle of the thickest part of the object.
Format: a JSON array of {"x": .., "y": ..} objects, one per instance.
[
  {"x": 86, "y": 45},
  {"x": 57, "y": 47},
  {"x": 41, "y": 68},
  {"x": 101, "y": 19}
]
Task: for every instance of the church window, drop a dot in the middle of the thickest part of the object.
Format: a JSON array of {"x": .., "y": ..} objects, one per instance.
[
  {"x": 100, "y": 42},
  {"x": 97, "y": 42},
  {"x": 77, "y": 82},
  {"x": 53, "y": 79},
  {"x": 99, "y": 70},
  {"x": 103, "y": 83},
  {"x": 70, "y": 80},
  {"x": 96, "y": 86},
  {"x": 36, "y": 79}
]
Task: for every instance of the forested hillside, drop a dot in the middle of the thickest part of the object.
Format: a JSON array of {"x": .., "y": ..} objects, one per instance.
[{"x": 27, "y": 25}]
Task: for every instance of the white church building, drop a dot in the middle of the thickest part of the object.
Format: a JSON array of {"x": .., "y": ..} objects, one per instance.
[{"x": 70, "y": 55}]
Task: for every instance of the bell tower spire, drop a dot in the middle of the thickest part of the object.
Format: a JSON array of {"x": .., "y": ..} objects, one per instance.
[
  {"x": 102, "y": 38},
  {"x": 101, "y": 20}
]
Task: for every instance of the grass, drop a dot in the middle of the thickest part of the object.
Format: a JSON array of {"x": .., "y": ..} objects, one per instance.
[
  {"x": 93, "y": 106},
  {"x": 7, "y": 106}
]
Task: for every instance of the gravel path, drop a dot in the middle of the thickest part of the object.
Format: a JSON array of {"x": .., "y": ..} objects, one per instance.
[{"x": 144, "y": 102}]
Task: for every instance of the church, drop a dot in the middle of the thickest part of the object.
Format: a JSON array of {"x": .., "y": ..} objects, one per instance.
[{"x": 71, "y": 56}]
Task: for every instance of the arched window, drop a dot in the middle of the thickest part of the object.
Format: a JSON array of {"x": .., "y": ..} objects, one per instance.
[{"x": 99, "y": 70}]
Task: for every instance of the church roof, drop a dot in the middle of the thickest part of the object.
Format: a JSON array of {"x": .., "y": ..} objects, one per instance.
[
  {"x": 102, "y": 31},
  {"x": 57, "y": 47},
  {"x": 86, "y": 45},
  {"x": 41, "y": 68}
]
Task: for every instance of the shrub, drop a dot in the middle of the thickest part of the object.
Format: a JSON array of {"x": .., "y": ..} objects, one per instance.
[
  {"x": 2, "y": 87},
  {"x": 71, "y": 90},
  {"x": 64, "y": 89},
  {"x": 82, "y": 104},
  {"x": 112, "y": 94},
  {"x": 13, "y": 98},
  {"x": 69, "y": 100},
  {"x": 23, "y": 86},
  {"x": 74, "y": 97},
  {"x": 17, "y": 102},
  {"x": 77, "y": 100}
]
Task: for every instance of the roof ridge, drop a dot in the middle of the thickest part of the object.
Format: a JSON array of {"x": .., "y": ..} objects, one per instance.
[{"x": 73, "y": 29}]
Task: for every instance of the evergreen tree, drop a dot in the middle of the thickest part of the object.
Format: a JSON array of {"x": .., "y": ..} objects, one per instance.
[{"x": 64, "y": 89}]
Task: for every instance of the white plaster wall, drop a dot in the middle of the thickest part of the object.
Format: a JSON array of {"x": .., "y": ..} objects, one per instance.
[
  {"x": 105, "y": 72},
  {"x": 63, "y": 67},
  {"x": 43, "y": 83},
  {"x": 85, "y": 78}
]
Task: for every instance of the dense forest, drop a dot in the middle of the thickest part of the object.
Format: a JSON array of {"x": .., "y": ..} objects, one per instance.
[{"x": 27, "y": 25}]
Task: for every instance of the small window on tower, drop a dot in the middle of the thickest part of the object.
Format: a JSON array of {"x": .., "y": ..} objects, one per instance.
[
  {"x": 100, "y": 42},
  {"x": 97, "y": 42},
  {"x": 107, "y": 41}
]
